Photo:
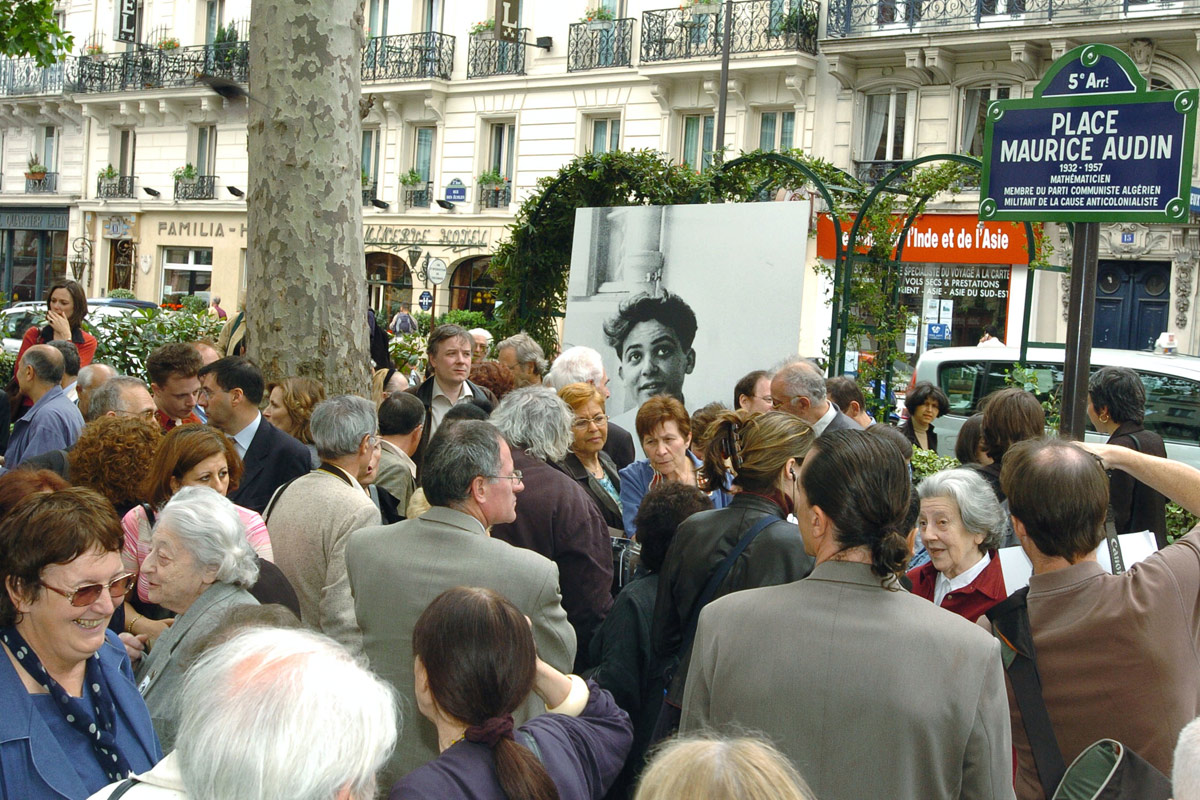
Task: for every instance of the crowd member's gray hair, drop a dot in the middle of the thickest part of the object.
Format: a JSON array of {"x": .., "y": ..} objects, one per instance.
[
  {"x": 110, "y": 396},
  {"x": 459, "y": 453},
  {"x": 90, "y": 373},
  {"x": 576, "y": 365},
  {"x": 339, "y": 424},
  {"x": 977, "y": 503},
  {"x": 210, "y": 528},
  {"x": 1185, "y": 775},
  {"x": 526, "y": 350},
  {"x": 277, "y": 713},
  {"x": 47, "y": 363},
  {"x": 70, "y": 354},
  {"x": 802, "y": 378},
  {"x": 535, "y": 419}
]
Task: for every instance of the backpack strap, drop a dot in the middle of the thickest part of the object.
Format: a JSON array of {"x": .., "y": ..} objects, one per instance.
[
  {"x": 149, "y": 513},
  {"x": 123, "y": 787},
  {"x": 278, "y": 493},
  {"x": 1010, "y": 624}
]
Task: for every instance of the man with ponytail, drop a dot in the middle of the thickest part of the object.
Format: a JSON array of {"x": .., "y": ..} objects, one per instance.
[{"x": 870, "y": 691}]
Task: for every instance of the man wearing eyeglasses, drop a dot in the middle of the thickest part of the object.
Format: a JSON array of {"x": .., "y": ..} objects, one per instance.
[
  {"x": 799, "y": 389},
  {"x": 395, "y": 571}
]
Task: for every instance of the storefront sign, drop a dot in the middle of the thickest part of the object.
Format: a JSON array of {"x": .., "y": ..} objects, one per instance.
[
  {"x": 127, "y": 11},
  {"x": 944, "y": 239},
  {"x": 454, "y": 238},
  {"x": 200, "y": 229},
  {"x": 506, "y": 13},
  {"x": 955, "y": 280},
  {"x": 1091, "y": 145},
  {"x": 436, "y": 271},
  {"x": 34, "y": 220},
  {"x": 118, "y": 227}
]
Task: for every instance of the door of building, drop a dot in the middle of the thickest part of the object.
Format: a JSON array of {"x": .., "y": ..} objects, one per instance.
[{"x": 1132, "y": 302}]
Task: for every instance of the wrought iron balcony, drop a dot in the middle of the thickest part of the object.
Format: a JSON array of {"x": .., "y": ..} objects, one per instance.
[
  {"x": 488, "y": 57},
  {"x": 858, "y": 17},
  {"x": 418, "y": 196},
  {"x": 758, "y": 26},
  {"x": 152, "y": 68},
  {"x": 47, "y": 184},
  {"x": 411, "y": 55},
  {"x": 874, "y": 171},
  {"x": 495, "y": 196},
  {"x": 203, "y": 187},
  {"x": 116, "y": 188},
  {"x": 22, "y": 76},
  {"x": 599, "y": 44},
  {"x": 369, "y": 188}
]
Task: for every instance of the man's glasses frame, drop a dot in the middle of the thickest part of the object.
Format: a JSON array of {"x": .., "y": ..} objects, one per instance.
[{"x": 516, "y": 476}]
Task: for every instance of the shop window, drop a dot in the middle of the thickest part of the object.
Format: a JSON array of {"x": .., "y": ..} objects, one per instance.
[
  {"x": 884, "y": 126},
  {"x": 974, "y": 116},
  {"x": 698, "y": 133},
  {"x": 186, "y": 272},
  {"x": 472, "y": 288},
  {"x": 606, "y": 134},
  {"x": 389, "y": 282},
  {"x": 776, "y": 130}
]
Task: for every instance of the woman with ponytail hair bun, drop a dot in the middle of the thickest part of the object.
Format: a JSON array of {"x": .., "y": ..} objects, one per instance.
[
  {"x": 761, "y": 455},
  {"x": 475, "y": 664},
  {"x": 824, "y": 667}
]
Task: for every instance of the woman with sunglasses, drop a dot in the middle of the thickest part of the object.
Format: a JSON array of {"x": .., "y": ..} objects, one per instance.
[
  {"x": 199, "y": 565},
  {"x": 71, "y": 717}
]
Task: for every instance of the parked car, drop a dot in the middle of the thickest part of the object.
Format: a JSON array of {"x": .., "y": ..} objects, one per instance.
[{"x": 968, "y": 374}]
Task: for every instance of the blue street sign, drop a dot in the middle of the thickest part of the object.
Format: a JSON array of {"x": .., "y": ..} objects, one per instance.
[
  {"x": 425, "y": 301},
  {"x": 937, "y": 333},
  {"x": 1196, "y": 199},
  {"x": 456, "y": 191},
  {"x": 1091, "y": 145}
]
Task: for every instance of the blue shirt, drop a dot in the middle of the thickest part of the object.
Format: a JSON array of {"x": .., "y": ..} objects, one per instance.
[{"x": 53, "y": 423}]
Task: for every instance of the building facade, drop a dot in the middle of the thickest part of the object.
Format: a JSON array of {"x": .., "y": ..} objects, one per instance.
[{"x": 459, "y": 128}]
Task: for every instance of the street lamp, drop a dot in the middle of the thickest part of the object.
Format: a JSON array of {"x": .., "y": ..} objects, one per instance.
[
  {"x": 421, "y": 272},
  {"x": 81, "y": 262}
]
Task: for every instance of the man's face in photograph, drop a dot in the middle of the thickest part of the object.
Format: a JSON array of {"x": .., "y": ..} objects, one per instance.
[{"x": 654, "y": 362}]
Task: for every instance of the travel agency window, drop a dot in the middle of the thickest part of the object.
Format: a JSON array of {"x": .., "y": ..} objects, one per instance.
[{"x": 186, "y": 272}]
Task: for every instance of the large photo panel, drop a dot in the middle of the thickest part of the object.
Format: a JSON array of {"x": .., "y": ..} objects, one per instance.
[{"x": 686, "y": 299}]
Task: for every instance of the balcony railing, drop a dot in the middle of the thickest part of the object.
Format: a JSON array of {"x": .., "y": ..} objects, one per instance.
[
  {"x": 151, "y": 68},
  {"x": 369, "y": 188},
  {"x": 418, "y": 196},
  {"x": 203, "y": 187},
  {"x": 115, "y": 188},
  {"x": 47, "y": 184},
  {"x": 495, "y": 196},
  {"x": 22, "y": 76},
  {"x": 489, "y": 57},
  {"x": 599, "y": 44},
  {"x": 874, "y": 171},
  {"x": 408, "y": 56},
  {"x": 857, "y": 17},
  {"x": 758, "y": 26}
]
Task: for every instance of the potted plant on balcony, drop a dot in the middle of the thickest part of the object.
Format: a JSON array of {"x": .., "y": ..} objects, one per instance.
[
  {"x": 599, "y": 19},
  {"x": 485, "y": 30},
  {"x": 168, "y": 43},
  {"x": 95, "y": 51},
  {"x": 491, "y": 180},
  {"x": 108, "y": 177},
  {"x": 700, "y": 7},
  {"x": 411, "y": 178},
  {"x": 185, "y": 175},
  {"x": 35, "y": 169},
  {"x": 798, "y": 25}
]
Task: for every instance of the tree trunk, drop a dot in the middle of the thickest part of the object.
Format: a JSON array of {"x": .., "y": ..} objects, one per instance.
[{"x": 306, "y": 304}]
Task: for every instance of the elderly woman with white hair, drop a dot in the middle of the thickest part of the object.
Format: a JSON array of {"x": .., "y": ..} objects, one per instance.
[
  {"x": 961, "y": 524},
  {"x": 199, "y": 565},
  {"x": 555, "y": 517}
]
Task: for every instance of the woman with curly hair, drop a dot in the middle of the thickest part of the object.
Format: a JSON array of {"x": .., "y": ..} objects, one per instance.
[
  {"x": 290, "y": 404},
  {"x": 491, "y": 375},
  {"x": 112, "y": 457}
]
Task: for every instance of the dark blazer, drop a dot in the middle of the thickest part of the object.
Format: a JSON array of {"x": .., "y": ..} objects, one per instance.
[
  {"x": 931, "y": 435},
  {"x": 841, "y": 422},
  {"x": 424, "y": 393},
  {"x": 619, "y": 446},
  {"x": 273, "y": 459},
  {"x": 1137, "y": 507},
  {"x": 609, "y": 508}
]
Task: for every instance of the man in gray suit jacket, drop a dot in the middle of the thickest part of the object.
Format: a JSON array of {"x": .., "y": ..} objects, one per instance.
[
  {"x": 799, "y": 389},
  {"x": 871, "y": 691},
  {"x": 397, "y": 570}
]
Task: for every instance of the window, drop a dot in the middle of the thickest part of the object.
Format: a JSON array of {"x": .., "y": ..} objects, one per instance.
[
  {"x": 974, "y": 116},
  {"x": 377, "y": 17},
  {"x": 127, "y": 145},
  {"x": 471, "y": 287},
  {"x": 502, "y": 148},
  {"x": 423, "y": 154},
  {"x": 214, "y": 16},
  {"x": 698, "y": 140},
  {"x": 186, "y": 272},
  {"x": 206, "y": 150},
  {"x": 883, "y": 131},
  {"x": 370, "y": 154},
  {"x": 991, "y": 7},
  {"x": 606, "y": 135},
  {"x": 433, "y": 15},
  {"x": 776, "y": 130},
  {"x": 50, "y": 148}
]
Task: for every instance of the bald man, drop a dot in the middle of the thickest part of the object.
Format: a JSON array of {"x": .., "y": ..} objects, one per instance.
[
  {"x": 53, "y": 423},
  {"x": 91, "y": 378}
]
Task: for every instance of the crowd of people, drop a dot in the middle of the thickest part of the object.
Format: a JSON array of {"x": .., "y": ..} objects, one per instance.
[{"x": 473, "y": 586}]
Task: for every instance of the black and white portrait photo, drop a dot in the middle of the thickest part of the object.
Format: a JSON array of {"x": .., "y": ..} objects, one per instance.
[{"x": 682, "y": 300}]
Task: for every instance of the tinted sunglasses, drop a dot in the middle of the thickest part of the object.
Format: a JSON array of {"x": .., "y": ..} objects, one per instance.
[{"x": 89, "y": 593}]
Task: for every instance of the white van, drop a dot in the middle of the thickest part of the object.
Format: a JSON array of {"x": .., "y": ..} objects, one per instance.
[{"x": 968, "y": 374}]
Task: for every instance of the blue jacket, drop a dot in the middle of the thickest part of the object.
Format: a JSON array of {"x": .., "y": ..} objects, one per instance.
[
  {"x": 635, "y": 482},
  {"x": 33, "y": 764},
  {"x": 53, "y": 423}
]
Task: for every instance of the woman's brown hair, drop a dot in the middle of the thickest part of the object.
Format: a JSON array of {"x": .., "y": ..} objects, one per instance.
[
  {"x": 753, "y": 448},
  {"x": 659, "y": 410},
  {"x": 478, "y": 652},
  {"x": 79, "y": 305},
  {"x": 300, "y": 396},
  {"x": 181, "y": 450},
  {"x": 1009, "y": 416},
  {"x": 17, "y": 484},
  {"x": 576, "y": 394},
  {"x": 112, "y": 455}
]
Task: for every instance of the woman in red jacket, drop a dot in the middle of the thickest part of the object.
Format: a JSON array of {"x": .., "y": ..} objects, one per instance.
[
  {"x": 961, "y": 524},
  {"x": 66, "y": 307}
]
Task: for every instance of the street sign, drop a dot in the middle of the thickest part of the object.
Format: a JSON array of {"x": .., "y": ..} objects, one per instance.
[
  {"x": 435, "y": 270},
  {"x": 426, "y": 300},
  {"x": 127, "y": 11},
  {"x": 456, "y": 191},
  {"x": 1091, "y": 145},
  {"x": 507, "y": 14},
  {"x": 937, "y": 333},
  {"x": 1196, "y": 199}
]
